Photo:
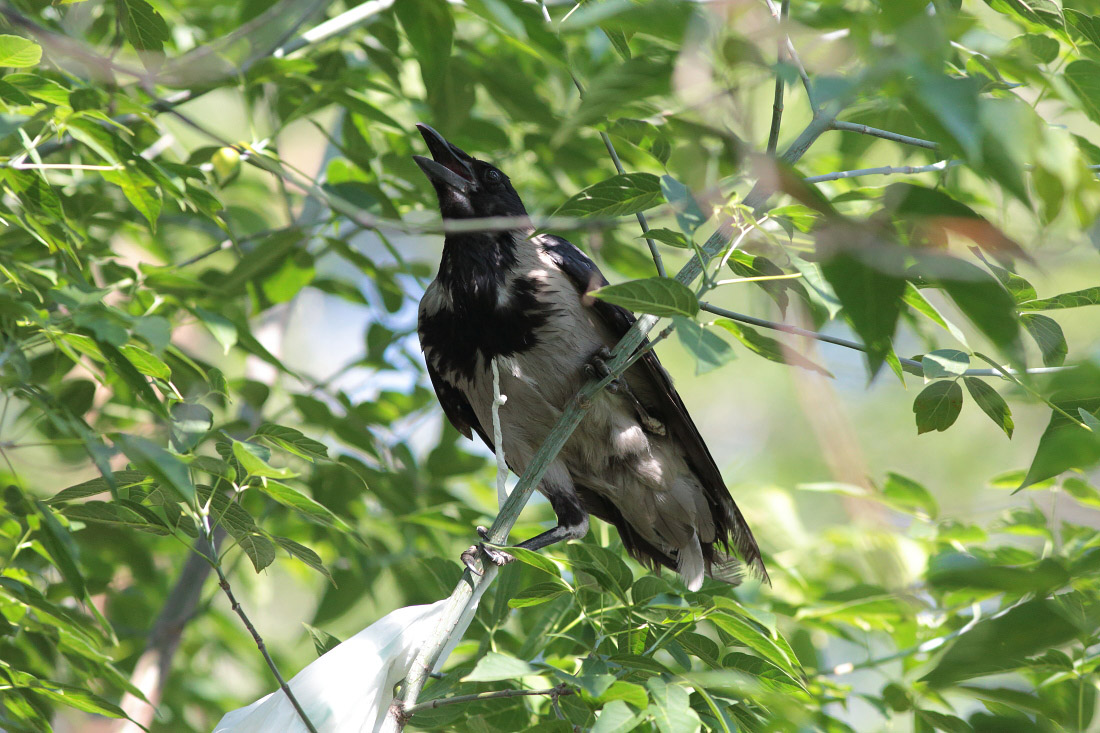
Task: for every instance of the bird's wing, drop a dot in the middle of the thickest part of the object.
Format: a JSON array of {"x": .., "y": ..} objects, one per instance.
[
  {"x": 668, "y": 407},
  {"x": 456, "y": 407}
]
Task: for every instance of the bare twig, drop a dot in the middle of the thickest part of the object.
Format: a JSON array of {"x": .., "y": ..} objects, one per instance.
[
  {"x": 884, "y": 134},
  {"x": 654, "y": 251},
  {"x": 885, "y": 170},
  {"x": 554, "y": 692},
  {"x": 910, "y": 365},
  {"x": 236, "y": 606}
]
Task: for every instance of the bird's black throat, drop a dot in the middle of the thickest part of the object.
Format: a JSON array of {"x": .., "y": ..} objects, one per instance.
[{"x": 493, "y": 313}]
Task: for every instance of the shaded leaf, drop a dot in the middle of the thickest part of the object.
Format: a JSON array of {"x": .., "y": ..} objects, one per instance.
[
  {"x": 992, "y": 404},
  {"x": 937, "y": 406},
  {"x": 661, "y": 296},
  {"x": 709, "y": 349},
  {"x": 619, "y": 195}
]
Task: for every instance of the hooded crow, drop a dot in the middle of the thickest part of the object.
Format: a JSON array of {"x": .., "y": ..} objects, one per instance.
[{"x": 637, "y": 460}]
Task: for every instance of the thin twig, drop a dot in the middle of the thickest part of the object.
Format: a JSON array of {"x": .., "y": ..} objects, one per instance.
[
  {"x": 654, "y": 251},
  {"x": 910, "y": 365},
  {"x": 885, "y": 170},
  {"x": 236, "y": 606},
  {"x": 884, "y": 134},
  {"x": 777, "y": 103},
  {"x": 555, "y": 692}
]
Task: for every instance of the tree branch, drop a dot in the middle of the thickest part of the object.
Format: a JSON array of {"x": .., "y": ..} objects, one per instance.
[
  {"x": 236, "y": 606},
  {"x": 777, "y": 103},
  {"x": 910, "y": 365},
  {"x": 885, "y": 170},
  {"x": 654, "y": 251},
  {"x": 554, "y": 692},
  {"x": 884, "y": 134}
]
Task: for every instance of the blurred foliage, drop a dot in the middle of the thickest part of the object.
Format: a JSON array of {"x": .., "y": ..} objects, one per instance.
[{"x": 147, "y": 407}]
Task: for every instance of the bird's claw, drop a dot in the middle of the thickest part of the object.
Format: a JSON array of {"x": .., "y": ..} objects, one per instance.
[
  {"x": 597, "y": 368},
  {"x": 495, "y": 556}
]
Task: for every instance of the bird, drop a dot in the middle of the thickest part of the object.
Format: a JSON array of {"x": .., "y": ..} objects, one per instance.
[{"x": 521, "y": 297}]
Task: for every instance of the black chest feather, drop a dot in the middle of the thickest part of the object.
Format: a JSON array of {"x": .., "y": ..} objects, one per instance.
[{"x": 490, "y": 313}]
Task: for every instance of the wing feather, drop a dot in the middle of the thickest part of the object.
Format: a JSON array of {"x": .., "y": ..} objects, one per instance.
[{"x": 669, "y": 408}]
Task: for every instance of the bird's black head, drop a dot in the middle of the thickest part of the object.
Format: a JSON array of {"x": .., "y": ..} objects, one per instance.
[{"x": 467, "y": 188}]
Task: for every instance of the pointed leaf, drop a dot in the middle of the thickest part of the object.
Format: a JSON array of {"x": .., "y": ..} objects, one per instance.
[
  {"x": 661, "y": 296},
  {"x": 992, "y": 404}
]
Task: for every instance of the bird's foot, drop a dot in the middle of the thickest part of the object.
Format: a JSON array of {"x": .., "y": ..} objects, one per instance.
[
  {"x": 496, "y": 556},
  {"x": 597, "y": 368}
]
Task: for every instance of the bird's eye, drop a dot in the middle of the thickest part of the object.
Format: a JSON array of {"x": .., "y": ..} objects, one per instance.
[{"x": 493, "y": 176}]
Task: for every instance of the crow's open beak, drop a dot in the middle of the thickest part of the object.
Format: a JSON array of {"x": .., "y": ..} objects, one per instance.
[{"x": 449, "y": 166}]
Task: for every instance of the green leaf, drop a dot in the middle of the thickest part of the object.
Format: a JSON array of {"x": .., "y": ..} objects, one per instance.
[
  {"x": 139, "y": 191},
  {"x": 1048, "y": 335},
  {"x": 660, "y": 296},
  {"x": 60, "y": 545},
  {"x": 1066, "y": 443},
  {"x": 870, "y": 290},
  {"x": 1003, "y": 643},
  {"x": 709, "y": 349},
  {"x": 537, "y": 594},
  {"x": 1083, "y": 77},
  {"x": 536, "y": 560},
  {"x": 992, "y": 404},
  {"x": 146, "y": 363},
  {"x": 166, "y": 468},
  {"x": 984, "y": 300},
  {"x": 688, "y": 214},
  {"x": 322, "y": 640},
  {"x": 937, "y": 406},
  {"x": 495, "y": 666},
  {"x": 253, "y": 459},
  {"x": 142, "y": 25},
  {"x": 18, "y": 52},
  {"x": 1076, "y": 299},
  {"x": 605, "y": 566},
  {"x": 1082, "y": 491},
  {"x": 945, "y": 364},
  {"x": 626, "y": 692},
  {"x": 98, "y": 485},
  {"x": 616, "y": 717},
  {"x": 617, "y": 87},
  {"x": 752, "y": 637},
  {"x": 303, "y": 504},
  {"x": 259, "y": 550},
  {"x": 905, "y": 493},
  {"x": 768, "y": 347},
  {"x": 221, "y": 328},
  {"x": 627, "y": 193},
  {"x": 671, "y": 708},
  {"x": 306, "y": 555},
  {"x": 292, "y": 441},
  {"x": 667, "y": 236},
  {"x": 100, "y": 512}
]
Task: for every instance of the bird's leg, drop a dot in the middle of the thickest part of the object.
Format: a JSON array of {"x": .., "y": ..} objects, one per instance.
[
  {"x": 597, "y": 368},
  {"x": 572, "y": 525},
  {"x": 572, "y": 519}
]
